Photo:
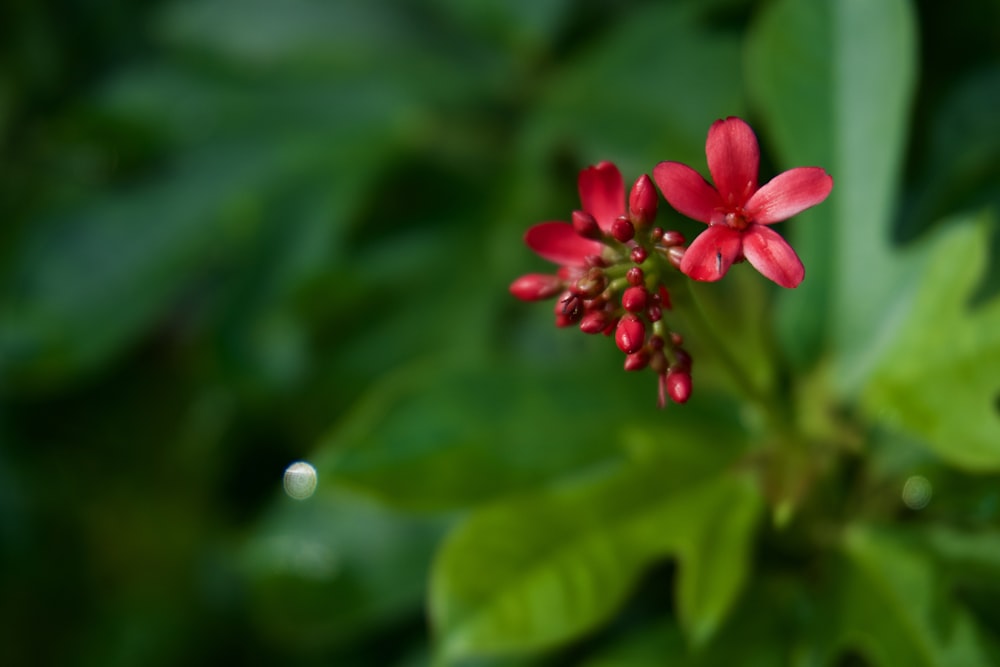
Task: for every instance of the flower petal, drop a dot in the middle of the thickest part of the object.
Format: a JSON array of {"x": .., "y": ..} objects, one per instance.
[
  {"x": 602, "y": 193},
  {"x": 733, "y": 159},
  {"x": 770, "y": 254},
  {"x": 687, "y": 191},
  {"x": 712, "y": 253},
  {"x": 558, "y": 242},
  {"x": 789, "y": 193}
]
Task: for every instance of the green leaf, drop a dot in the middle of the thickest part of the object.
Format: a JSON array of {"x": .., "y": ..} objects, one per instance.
[
  {"x": 537, "y": 571},
  {"x": 645, "y": 647},
  {"x": 645, "y": 93},
  {"x": 938, "y": 376},
  {"x": 434, "y": 436},
  {"x": 894, "y": 608},
  {"x": 431, "y": 438},
  {"x": 962, "y": 161},
  {"x": 833, "y": 80}
]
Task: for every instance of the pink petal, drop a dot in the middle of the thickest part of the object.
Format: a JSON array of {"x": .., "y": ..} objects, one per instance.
[
  {"x": 602, "y": 192},
  {"x": 686, "y": 190},
  {"x": 770, "y": 254},
  {"x": 789, "y": 193},
  {"x": 558, "y": 242},
  {"x": 733, "y": 159},
  {"x": 712, "y": 253}
]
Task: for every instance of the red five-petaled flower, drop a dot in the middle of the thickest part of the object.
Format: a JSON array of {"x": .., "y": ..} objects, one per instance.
[
  {"x": 602, "y": 193},
  {"x": 736, "y": 210}
]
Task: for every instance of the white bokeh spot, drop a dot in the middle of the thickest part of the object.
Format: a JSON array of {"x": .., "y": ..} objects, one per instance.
[{"x": 300, "y": 480}]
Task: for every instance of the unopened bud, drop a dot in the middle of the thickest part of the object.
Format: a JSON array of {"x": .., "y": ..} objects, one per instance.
[
  {"x": 674, "y": 255},
  {"x": 622, "y": 229},
  {"x": 585, "y": 225},
  {"x": 536, "y": 286},
  {"x": 642, "y": 201},
  {"x": 683, "y": 362},
  {"x": 594, "y": 321},
  {"x": 637, "y": 361},
  {"x": 638, "y": 254},
  {"x": 630, "y": 334},
  {"x": 590, "y": 285},
  {"x": 634, "y": 299},
  {"x": 664, "y": 297},
  {"x": 678, "y": 386},
  {"x": 673, "y": 238},
  {"x": 635, "y": 276},
  {"x": 569, "y": 309},
  {"x": 655, "y": 313}
]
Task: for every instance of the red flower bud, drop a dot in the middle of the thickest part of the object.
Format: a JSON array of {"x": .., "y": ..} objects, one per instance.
[
  {"x": 642, "y": 201},
  {"x": 585, "y": 225},
  {"x": 673, "y": 238},
  {"x": 638, "y": 254},
  {"x": 569, "y": 309},
  {"x": 635, "y": 276},
  {"x": 655, "y": 313},
  {"x": 675, "y": 254},
  {"x": 664, "y": 297},
  {"x": 630, "y": 334},
  {"x": 683, "y": 362},
  {"x": 594, "y": 321},
  {"x": 622, "y": 229},
  {"x": 634, "y": 299},
  {"x": 678, "y": 386},
  {"x": 637, "y": 361},
  {"x": 536, "y": 286}
]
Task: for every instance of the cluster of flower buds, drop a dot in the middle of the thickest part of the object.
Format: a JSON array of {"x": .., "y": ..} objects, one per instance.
[{"x": 614, "y": 262}]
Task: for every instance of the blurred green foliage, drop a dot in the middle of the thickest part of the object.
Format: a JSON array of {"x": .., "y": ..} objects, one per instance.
[{"x": 237, "y": 233}]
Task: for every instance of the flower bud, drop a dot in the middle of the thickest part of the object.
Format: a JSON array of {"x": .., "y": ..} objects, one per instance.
[
  {"x": 630, "y": 334},
  {"x": 569, "y": 309},
  {"x": 683, "y": 362},
  {"x": 664, "y": 299},
  {"x": 635, "y": 276},
  {"x": 655, "y": 313},
  {"x": 635, "y": 298},
  {"x": 637, "y": 361},
  {"x": 585, "y": 225},
  {"x": 642, "y": 202},
  {"x": 594, "y": 321},
  {"x": 590, "y": 284},
  {"x": 638, "y": 254},
  {"x": 536, "y": 286},
  {"x": 674, "y": 255},
  {"x": 673, "y": 238},
  {"x": 622, "y": 229},
  {"x": 678, "y": 386}
]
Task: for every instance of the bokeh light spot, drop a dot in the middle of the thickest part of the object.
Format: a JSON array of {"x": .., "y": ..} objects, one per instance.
[
  {"x": 917, "y": 492},
  {"x": 300, "y": 480}
]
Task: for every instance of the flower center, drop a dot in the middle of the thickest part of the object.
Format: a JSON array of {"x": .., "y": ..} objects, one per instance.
[{"x": 737, "y": 218}]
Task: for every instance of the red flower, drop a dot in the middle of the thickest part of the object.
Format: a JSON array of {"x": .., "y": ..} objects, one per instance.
[
  {"x": 602, "y": 193},
  {"x": 736, "y": 211}
]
